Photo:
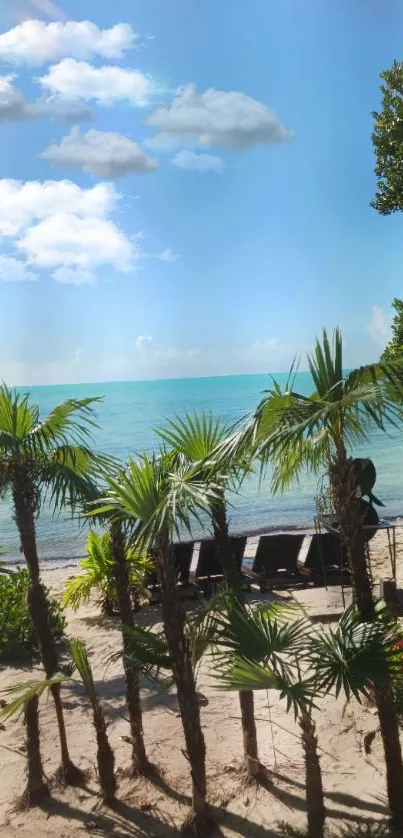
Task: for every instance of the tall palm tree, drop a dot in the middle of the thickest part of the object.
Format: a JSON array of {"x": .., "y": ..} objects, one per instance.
[
  {"x": 300, "y": 433},
  {"x": 45, "y": 461},
  {"x": 197, "y": 438},
  {"x": 155, "y": 496}
]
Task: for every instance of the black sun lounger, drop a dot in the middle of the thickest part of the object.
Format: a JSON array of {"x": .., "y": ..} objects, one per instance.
[
  {"x": 183, "y": 553},
  {"x": 323, "y": 564},
  {"x": 209, "y": 570},
  {"x": 276, "y": 561}
]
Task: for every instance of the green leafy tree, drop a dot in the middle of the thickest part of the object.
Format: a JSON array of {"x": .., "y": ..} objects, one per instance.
[
  {"x": 18, "y": 640},
  {"x": 197, "y": 438},
  {"x": 45, "y": 461},
  {"x": 394, "y": 348},
  {"x": 387, "y": 139},
  {"x": 299, "y": 433},
  {"x": 155, "y": 497}
]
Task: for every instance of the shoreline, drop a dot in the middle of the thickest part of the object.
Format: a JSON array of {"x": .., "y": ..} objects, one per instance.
[{"x": 253, "y": 535}]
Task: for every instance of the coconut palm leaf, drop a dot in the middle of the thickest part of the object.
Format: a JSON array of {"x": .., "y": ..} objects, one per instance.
[
  {"x": 19, "y": 695},
  {"x": 146, "y": 652},
  {"x": 81, "y": 662},
  {"x": 246, "y": 674}
]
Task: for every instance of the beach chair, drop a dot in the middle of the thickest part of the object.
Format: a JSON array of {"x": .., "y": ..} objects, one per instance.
[
  {"x": 183, "y": 553},
  {"x": 276, "y": 561},
  {"x": 209, "y": 572},
  {"x": 323, "y": 564}
]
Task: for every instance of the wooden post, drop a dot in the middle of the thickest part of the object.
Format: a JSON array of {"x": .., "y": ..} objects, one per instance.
[{"x": 389, "y": 594}]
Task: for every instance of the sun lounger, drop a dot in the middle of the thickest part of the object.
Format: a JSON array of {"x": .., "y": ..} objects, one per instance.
[
  {"x": 323, "y": 563},
  {"x": 276, "y": 561},
  {"x": 183, "y": 553},
  {"x": 209, "y": 570}
]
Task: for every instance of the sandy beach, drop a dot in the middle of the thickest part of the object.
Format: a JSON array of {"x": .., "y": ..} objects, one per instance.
[{"x": 354, "y": 781}]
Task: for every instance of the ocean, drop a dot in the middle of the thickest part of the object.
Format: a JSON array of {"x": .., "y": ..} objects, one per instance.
[{"x": 127, "y": 418}]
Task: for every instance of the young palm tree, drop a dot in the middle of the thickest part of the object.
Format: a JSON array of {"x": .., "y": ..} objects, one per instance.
[
  {"x": 263, "y": 649},
  {"x": 268, "y": 648},
  {"x": 100, "y": 574},
  {"x": 197, "y": 438},
  {"x": 298, "y": 433},
  {"x": 44, "y": 460},
  {"x": 155, "y": 496},
  {"x": 23, "y": 695},
  {"x": 36, "y": 789}
]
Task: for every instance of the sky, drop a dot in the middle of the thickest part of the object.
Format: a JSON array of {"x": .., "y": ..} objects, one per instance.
[{"x": 185, "y": 186}]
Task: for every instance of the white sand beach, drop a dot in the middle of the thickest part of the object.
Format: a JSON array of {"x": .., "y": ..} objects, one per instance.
[{"x": 354, "y": 781}]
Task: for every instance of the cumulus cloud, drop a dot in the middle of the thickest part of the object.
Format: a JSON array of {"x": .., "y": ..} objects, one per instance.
[
  {"x": 149, "y": 349},
  {"x": 191, "y": 161},
  {"x": 13, "y": 107},
  {"x": 34, "y": 42},
  {"x": 75, "y": 80},
  {"x": 24, "y": 203},
  {"x": 379, "y": 326},
  {"x": 70, "y": 240},
  {"x": 229, "y": 120},
  {"x": 59, "y": 225},
  {"x": 14, "y": 270},
  {"x": 60, "y": 109},
  {"x": 100, "y": 153}
]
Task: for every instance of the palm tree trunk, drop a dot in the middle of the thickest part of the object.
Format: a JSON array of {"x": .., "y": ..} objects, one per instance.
[
  {"x": 344, "y": 488},
  {"x": 234, "y": 581},
  {"x": 313, "y": 778},
  {"x": 139, "y": 756},
  {"x": 36, "y": 789},
  {"x": 174, "y": 627},
  {"x": 24, "y": 506},
  {"x": 105, "y": 757}
]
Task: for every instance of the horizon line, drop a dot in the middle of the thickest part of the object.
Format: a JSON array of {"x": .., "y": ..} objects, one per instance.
[{"x": 157, "y": 380}]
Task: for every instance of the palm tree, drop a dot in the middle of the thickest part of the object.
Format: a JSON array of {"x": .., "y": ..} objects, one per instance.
[
  {"x": 268, "y": 648},
  {"x": 197, "y": 438},
  {"x": 100, "y": 574},
  {"x": 40, "y": 461},
  {"x": 155, "y": 496},
  {"x": 23, "y": 696},
  {"x": 300, "y": 433},
  {"x": 36, "y": 789},
  {"x": 263, "y": 649}
]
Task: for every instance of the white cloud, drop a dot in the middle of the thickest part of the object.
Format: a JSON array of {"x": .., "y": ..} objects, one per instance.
[
  {"x": 100, "y": 153},
  {"x": 191, "y": 161},
  {"x": 59, "y": 225},
  {"x": 73, "y": 241},
  {"x": 34, "y": 42},
  {"x": 13, "y": 107},
  {"x": 158, "y": 356},
  {"x": 14, "y": 270},
  {"x": 225, "y": 119},
  {"x": 379, "y": 326},
  {"x": 64, "y": 110},
  {"x": 79, "y": 80},
  {"x": 74, "y": 276},
  {"x": 167, "y": 255},
  {"x": 21, "y": 204}
]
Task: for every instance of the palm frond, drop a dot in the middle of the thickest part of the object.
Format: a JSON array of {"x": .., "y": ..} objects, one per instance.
[
  {"x": 146, "y": 652},
  {"x": 79, "y": 654},
  {"x": 19, "y": 695},
  {"x": 246, "y": 674},
  {"x": 347, "y": 658},
  {"x": 69, "y": 423}
]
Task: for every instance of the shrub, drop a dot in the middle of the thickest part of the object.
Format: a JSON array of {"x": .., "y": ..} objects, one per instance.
[{"x": 17, "y": 634}]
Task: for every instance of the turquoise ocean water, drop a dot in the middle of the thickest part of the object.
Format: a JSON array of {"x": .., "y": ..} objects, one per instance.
[{"x": 127, "y": 417}]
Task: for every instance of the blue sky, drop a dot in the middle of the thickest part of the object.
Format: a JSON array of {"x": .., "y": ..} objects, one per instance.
[{"x": 185, "y": 185}]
